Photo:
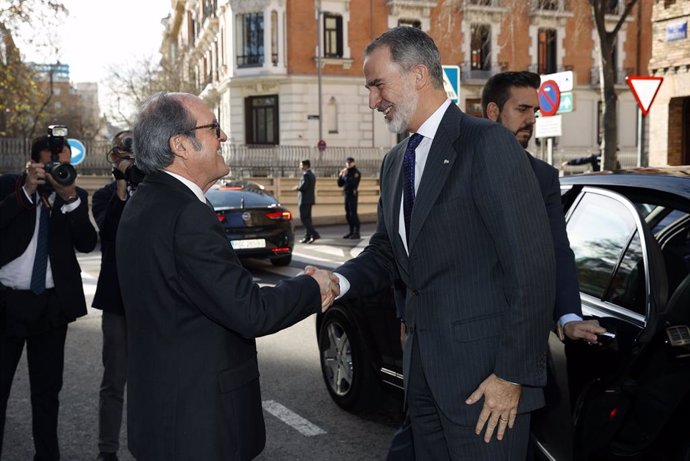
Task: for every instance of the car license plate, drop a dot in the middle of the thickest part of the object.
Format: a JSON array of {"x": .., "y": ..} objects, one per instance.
[{"x": 247, "y": 244}]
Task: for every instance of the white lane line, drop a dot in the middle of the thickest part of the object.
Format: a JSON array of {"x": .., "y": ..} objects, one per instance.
[{"x": 292, "y": 419}]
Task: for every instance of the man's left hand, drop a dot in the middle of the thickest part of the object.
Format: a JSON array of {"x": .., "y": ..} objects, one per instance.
[
  {"x": 501, "y": 400},
  {"x": 67, "y": 193}
]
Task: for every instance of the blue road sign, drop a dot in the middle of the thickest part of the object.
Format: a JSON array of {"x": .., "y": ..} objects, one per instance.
[
  {"x": 451, "y": 82},
  {"x": 549, "y": 98},
  {"x": 78, "y": 151}
]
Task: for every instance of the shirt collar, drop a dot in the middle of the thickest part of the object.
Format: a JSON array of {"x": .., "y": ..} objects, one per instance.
[
  {"x": 192, "y": 186},
  {"x": 430, "y": 125}
]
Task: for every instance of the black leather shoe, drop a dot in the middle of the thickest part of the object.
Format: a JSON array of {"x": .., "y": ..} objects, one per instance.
[
  {"x": 313, "y": 239},
  {"x": 354, "y": 236},
  {"x": 305, "y": 240},
  {"x": 107, "y": 457},
  {"x": 348, "y": 235}
]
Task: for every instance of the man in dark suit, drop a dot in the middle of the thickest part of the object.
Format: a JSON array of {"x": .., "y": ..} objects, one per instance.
[
  {"x": 42, "y": 223},
  {"x": 510, "y": 98},
  {"x": 348, "y": 179},
  {"x": 460, "y": 222},
  {"x": 108, "y": 204},
  {"x": 306, "y": 197},
  {"x": 192, "y": 310}
]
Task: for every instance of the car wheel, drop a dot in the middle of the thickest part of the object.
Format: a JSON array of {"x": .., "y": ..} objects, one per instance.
[
  {"x": 345, "y": 364},
  {"x": 282, "y": 261}
]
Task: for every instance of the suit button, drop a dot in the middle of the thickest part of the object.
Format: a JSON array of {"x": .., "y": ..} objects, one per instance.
[{"x": 415, "y": 292}]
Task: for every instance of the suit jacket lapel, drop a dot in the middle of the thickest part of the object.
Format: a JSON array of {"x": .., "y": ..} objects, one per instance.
[
  {"x": 439, "y": 164},
  {"x": 393, "y": 198}
]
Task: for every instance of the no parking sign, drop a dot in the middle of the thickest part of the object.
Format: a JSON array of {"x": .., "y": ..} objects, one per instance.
[{"x": 549, "y": 98}]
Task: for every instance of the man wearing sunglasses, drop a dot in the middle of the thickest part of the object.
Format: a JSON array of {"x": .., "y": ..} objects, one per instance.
[{"x": 192, "y": 310}]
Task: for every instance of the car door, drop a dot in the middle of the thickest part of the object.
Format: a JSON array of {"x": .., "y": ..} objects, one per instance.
[{"x": 618, "y": 263}]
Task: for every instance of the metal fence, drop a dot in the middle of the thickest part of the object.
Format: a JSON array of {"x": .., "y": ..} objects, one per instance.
[{"x": 244, "y": 161}]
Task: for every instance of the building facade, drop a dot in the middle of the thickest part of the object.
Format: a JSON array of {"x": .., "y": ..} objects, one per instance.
[
  {"x": 289, "y": 72},
  {"x": 669, "y": 130}
]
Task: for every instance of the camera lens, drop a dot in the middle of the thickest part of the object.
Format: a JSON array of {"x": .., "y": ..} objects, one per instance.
[{"x": 63, "y": 173}]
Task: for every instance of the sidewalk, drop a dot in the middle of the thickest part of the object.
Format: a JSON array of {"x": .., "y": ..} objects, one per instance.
[{"x": 326, "y": 215}]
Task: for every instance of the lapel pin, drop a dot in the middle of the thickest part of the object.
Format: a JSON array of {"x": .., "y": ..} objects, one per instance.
[{"x": 446, "y": 161}]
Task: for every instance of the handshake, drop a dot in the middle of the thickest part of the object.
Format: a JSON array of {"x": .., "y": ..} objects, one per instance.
[{"x": 329, "y": 284}]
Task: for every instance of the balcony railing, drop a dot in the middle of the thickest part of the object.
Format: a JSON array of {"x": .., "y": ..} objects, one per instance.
[
  {"x": 620, "y": 75},
  {"x": 467, "y": 73}
]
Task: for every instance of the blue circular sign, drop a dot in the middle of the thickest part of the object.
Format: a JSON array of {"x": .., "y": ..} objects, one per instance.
[{"x": 78, "y": 151}]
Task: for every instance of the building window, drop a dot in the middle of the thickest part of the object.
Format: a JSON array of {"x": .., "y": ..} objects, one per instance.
[
  {"x": 546, "y": 63},
  {"x": 410, "y": 23},
  {"x": 250, "y": 40},
  {"x": 480, "y": 47},
  {"x": 332, "y": 35},
  {"x": 611, "y": 7},
  {"x": 274, "y": 38},
  {"x": 550, "y": 5},
  {"x": 473, "y": 107},
  {"x": 481, "y": 2},
  {"x": 261, "y": 119},
  {"x": 332, "y": 115}
]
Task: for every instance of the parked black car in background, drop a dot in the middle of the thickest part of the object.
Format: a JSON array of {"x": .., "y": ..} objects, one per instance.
[
  {"x": 256, "y": 225},
  {"x": 626, "y": 398}
]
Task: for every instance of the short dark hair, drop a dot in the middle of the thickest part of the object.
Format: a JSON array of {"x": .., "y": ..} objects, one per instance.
[
  {"x": 40, "y": 144},
  {"x": 350, "y": 160},
  {"x": 306, "y": 163},
  {"x": 497, "y": 88},
  {"x": 409, "y": 47},
  {"x": 162, "y": 116}
]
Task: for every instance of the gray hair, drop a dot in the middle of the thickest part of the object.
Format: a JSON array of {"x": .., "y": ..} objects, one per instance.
[
  {"x": 162, "y": 116},
  {"x": 409, "y": 47}
]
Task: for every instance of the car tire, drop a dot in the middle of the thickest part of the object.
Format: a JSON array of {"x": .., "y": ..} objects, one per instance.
[
  {"x": 282, "y": 261},
  {"x": 345, "y": 363}
]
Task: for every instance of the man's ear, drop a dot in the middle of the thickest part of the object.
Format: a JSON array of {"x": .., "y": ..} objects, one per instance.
[
  {"x": 492, "y": 111},
  {"x": 421, "y": 75},
  {"x": 178, "y": 145}
]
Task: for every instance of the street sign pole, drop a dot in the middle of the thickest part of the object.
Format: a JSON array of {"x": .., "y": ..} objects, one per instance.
[{"x": 549, "y": 150}]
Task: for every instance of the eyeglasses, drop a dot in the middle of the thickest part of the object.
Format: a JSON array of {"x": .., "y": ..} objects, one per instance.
[{"x": 214, "y": 125}]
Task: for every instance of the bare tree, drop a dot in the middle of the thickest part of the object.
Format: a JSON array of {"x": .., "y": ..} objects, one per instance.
[
  {"x": 607, "y": 76},
  {"x": 133, "y": 83}
]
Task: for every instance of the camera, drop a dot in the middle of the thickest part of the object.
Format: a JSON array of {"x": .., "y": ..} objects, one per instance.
[
  {"x": 63, "y": 173},
  {"x": 122, "y": 150}
]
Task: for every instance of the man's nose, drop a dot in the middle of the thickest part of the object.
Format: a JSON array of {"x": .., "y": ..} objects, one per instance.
[
  {"x": 374, "y": 99},
  {"x": 223, "y": 136}
]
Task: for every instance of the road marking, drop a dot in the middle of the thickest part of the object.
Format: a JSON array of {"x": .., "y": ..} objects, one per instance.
[{"x": 292, "y": 419}]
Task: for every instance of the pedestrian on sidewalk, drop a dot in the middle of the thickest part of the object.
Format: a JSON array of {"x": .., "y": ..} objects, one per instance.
[
  {"x": 305, "y": 200},
  {"x": 108, "y": 204},
  {"x": 349, "y": 180}
]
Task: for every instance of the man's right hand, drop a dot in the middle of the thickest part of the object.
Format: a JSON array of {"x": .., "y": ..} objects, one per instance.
[
  {"x": 329, "y": 285},
  {"x": 343, "y": 172}
]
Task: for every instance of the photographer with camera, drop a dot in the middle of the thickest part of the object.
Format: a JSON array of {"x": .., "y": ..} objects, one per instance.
[
  {"x": 108, "y": 203},
  {"x": 43, "y": 220}
]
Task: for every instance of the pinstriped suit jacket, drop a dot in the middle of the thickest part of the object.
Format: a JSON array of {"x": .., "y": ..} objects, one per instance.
[{"x": 480, "y": 272}]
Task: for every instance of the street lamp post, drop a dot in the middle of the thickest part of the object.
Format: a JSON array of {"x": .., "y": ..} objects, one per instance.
[{"x": 318, "y": 67}]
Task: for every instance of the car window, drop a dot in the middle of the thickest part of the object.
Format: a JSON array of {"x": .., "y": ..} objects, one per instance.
[
  {"x": 599, "y": 230},
  {"x": 225, "y": 198},
  {"x": 628, "y": 284}
]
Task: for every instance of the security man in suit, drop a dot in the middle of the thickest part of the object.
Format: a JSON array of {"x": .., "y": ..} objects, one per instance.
[
  {"x": 42, "y": 223},
  {"x": 510, "y": 98},
  {"x": 306, "y": 197},
  {"x": 462, "y": 225},
  {"x": 348, "y": 179}
]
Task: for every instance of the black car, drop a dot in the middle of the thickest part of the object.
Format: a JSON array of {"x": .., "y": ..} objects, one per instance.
[
  {"x": 256, "y": 225},
  {"x": 626, "y": 398}
]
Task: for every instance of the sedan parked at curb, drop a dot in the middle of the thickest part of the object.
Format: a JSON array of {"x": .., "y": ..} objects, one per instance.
[
  {"x": 255, "y": 224},
  {"x": 625, "y": 398}
]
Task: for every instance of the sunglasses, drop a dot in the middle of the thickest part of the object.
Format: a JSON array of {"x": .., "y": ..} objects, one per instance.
[{"x": 214, "y": 125}]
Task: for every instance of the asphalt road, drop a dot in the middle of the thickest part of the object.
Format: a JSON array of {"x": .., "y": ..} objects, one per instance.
[{"x": 302, "y": 422}]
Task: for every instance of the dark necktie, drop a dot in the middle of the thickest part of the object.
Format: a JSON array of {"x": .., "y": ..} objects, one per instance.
[
  {"x": 38, "y": 274},
  {"x": 408, "y": 184}
]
